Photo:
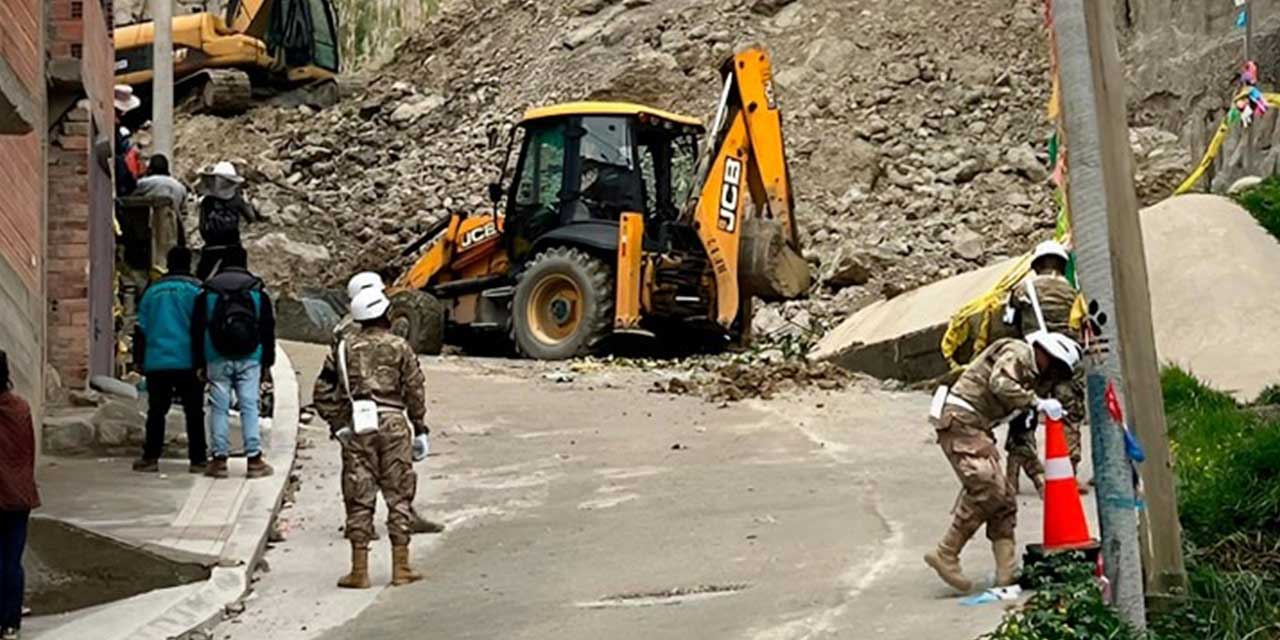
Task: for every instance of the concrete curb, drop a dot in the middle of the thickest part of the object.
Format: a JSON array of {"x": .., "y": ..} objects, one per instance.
[{"x": 201, "y": 604}]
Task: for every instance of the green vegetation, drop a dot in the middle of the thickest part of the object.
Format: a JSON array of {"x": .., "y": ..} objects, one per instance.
[
  {"x": 369, "y": 30},
  {"x": 1227, "y": 459},
  {"x": 1263, "y": 201}
]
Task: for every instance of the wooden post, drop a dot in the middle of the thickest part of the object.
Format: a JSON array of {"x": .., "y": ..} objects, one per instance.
[{"x": 1112, "y": 273}]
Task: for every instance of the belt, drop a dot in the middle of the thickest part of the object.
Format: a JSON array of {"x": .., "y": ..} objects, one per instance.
[{"x": 957, "y": 401}]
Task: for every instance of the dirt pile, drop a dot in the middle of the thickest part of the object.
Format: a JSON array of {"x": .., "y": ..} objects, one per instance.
[
  {"x": 915, "y": 129},
  {"x": 737, "y": 380}
]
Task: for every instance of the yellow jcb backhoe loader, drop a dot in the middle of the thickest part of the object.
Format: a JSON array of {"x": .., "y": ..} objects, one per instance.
[
  {"x": 268, "y": 45},
  {"x": 613, "y": 223}
]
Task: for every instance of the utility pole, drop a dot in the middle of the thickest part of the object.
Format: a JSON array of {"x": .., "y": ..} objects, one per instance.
[
  {"x": 162, "y": 80},
  {"x": 1111, "y": 263}
]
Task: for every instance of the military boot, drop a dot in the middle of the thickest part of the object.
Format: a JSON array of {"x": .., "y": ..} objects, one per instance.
[
  {"x": 1006, "y": 553},
  {"x": 945, "y": 560},
  {"x": 401, "y": 572},
  {"x": 1038, "y": 479},
  {"x": 359, "y": 576}
]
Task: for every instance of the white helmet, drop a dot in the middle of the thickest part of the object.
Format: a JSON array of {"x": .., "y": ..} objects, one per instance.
[
  {"x": 369, "y": 304},
  {"x": 1050, "y": 248},
  {"x": 1058, "y": 346},
  {"x": 364, "y": 280}
]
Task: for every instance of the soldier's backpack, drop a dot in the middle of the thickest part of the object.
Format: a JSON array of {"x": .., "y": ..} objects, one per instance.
[
  {"x": 233, "y": 328},
  {"x": 219, "y": 220}
]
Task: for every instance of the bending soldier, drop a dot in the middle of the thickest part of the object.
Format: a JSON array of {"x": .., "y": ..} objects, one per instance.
[
  {"x": 371, "y": 391},
  {"x": 1001, "y": 381}
]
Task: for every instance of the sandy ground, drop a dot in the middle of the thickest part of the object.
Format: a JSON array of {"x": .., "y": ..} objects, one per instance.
[{"x": 596, "y": 509}]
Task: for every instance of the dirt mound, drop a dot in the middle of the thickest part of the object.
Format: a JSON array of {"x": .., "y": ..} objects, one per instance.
[
  {"x": 735, "y": 381},
  {"x": 911, "y": 143}
]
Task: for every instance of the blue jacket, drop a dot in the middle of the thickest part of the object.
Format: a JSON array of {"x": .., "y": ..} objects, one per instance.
[
  {"x": 227, "y": 280},
  {"x": 162, "y": 337}
]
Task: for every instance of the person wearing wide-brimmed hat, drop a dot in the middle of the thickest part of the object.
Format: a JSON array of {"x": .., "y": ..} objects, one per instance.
[{"x": 222, "y": 208}]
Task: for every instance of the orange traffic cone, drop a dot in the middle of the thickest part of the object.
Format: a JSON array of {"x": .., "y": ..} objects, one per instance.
[{"x": 1064, "y": 523}]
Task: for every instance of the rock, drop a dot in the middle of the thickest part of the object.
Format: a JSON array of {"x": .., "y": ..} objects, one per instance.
[
  {"x": 582, "y": 34},
  {"x": 280, "y": 244},
  {"x": 767, "y": 320},
  {"x": 829, "y": 55},
  {"x": 789, "y": 16},
  {"x": 851, "y": 270},
  {"x": 66, "y": 435},
  {"x": 902, "y": 72},
  {"x": 409, "y": 112},
  {"x": 968, "y": 245},
  {"x": 1023, "y": 161},
  {"x": 305, "y": 319},
  {"x": 589, "y": 7},
  {"x": 370, "y": 108},
  {"x": 113, "y": 420},
  {"x": 768, "y": 7}
]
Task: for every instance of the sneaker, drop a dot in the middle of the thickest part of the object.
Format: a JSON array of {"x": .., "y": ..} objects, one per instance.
[
  {"x": 217, "y": 468},
  {"x": 198, "y": 467},
  {"x": 258, "y": 468},
  {"x": 143, "y": 465},
  {"x": 9, "y": 634}
]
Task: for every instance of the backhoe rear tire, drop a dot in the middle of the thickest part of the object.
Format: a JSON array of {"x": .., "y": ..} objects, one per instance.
[
  {"x": 418, "y": 317},
  {"x": 563, "y": 306}
]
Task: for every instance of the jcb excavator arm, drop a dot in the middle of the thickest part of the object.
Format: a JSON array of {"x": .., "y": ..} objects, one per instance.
[{"x": 758, "y": 254}]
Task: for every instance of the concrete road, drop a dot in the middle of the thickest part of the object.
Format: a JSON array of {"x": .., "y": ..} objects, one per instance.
[{"x": 596, "y": 509}]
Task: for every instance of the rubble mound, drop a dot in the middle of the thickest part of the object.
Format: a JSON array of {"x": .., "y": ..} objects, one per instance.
[
  {"x": 915, "y": 129},
  {"x": 734, "y": 381}
]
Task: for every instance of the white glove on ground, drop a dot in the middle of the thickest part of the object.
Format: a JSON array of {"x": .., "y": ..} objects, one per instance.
[
  {"x": 1051, "y": 407},
  {"x": 421, "y": 446}
]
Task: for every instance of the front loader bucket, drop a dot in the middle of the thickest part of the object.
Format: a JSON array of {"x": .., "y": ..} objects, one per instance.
[{"x": 768, "y": 266}]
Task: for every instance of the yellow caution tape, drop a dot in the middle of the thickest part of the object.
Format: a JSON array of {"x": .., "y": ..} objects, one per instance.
[{"x": 985, "y": 305}]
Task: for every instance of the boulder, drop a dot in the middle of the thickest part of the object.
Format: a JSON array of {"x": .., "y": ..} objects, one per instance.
[
  {"x": 305, "y": 319},
  {"x": 67, "y": 435},
  {"x": 409, "y": 111}
]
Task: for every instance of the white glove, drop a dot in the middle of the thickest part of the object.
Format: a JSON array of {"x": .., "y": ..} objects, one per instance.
[
  {"x": 345, "y": 435},
  {"x": 1051, "y": 407},
  {"x": 421, "y": 446}
]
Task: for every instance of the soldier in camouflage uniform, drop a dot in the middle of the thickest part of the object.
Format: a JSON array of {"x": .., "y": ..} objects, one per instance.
[
  {"x": 382, "y": 368},
  {"x": 1056, "y": 298},
  {"x": 347, "y": 328},
  {"x": 999, "y": 382}
]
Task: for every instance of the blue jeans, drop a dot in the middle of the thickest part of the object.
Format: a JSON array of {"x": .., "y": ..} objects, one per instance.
[
  {"x": 13, "y": 540},
  {"x": 244, "y": 376}
]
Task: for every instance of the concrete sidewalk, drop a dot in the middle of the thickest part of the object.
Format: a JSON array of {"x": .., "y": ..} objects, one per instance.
[{"x": 222, "y": 524}]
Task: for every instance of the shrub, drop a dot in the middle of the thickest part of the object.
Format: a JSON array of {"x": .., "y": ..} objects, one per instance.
[{"x": 1263, "y": 201}]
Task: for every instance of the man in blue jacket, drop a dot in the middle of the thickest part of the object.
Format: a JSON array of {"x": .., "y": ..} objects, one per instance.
[
  {"x": 233, "y": 333},
  {"x": 162, "y": 351}
]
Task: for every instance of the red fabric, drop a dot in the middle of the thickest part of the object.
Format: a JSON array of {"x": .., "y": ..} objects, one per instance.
[
  {"x": 133, "y": 160},
  {"x": 17, "y": 455}
]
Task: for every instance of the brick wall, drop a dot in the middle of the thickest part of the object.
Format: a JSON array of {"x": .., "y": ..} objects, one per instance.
[
  {"x": 22, "y": 189},
  {"x": 20, "y": 41},
  {"x": 80, "y": 206},
  {"x": 67, "y": 273}
]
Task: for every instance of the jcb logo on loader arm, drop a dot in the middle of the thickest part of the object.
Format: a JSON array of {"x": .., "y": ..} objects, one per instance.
[
  {"x": 729, "y": 194},
  {"x": 478, "y": 235}
]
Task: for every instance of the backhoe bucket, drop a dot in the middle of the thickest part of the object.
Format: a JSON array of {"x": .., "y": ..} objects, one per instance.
[{"x": 768, "y": 266}]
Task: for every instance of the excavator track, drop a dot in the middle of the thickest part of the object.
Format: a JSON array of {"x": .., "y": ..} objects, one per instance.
[{"x": 226, "y": 92}]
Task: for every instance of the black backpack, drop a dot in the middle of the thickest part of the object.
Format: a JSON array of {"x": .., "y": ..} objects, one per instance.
[
  {"x": 219, "y": 220},
  {"x": 234, "y": 326}
]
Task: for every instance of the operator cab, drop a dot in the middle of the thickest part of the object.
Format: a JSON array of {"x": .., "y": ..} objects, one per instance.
[{"x": 582, "y": 165}]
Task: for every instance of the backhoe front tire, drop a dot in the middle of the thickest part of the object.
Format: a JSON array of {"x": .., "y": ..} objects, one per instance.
[
  {"x": 563, "y": 306},
  {"x": 418, "y": 317}
]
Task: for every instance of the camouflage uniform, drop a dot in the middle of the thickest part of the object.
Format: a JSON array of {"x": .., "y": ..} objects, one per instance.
[
  {"x": 1057, "y": 297},
  {"x": 382, "y": 367},
  {"x": 999, "y": 382}
]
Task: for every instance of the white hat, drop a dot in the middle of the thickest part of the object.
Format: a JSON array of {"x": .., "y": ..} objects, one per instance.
[
  {"x": 364, "y": 280},
  {"x": 369, "y": 304},
  {"x": 226, "y": 170},
  {"x": 1060, "y": 347},
  {"x": 124, "y": 99},
  {"x": 1050, "y": 248}
]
